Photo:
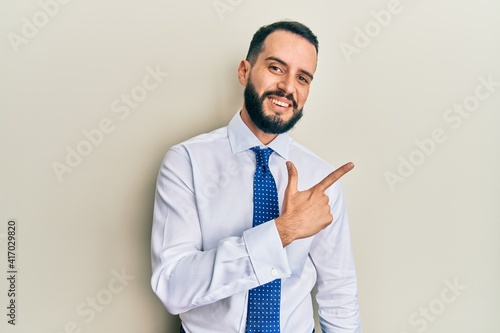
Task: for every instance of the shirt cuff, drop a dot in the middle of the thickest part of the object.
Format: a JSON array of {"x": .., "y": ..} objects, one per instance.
[{"x": 266, "y": 252}]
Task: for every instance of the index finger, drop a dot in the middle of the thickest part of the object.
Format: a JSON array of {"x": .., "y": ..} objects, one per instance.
[{"x": 333, "y": 177}]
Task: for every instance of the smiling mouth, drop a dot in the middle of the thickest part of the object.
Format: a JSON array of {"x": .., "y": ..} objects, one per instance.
[{"x": 279, "y": 103}]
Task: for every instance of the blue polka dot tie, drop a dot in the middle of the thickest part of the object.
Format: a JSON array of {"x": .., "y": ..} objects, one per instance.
[{"x": 264, "y": 301}]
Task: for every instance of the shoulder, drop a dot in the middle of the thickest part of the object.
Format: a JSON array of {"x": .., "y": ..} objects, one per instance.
[
  {"x": 303, "y": 156},
  {"x": 216, "y": 139}
]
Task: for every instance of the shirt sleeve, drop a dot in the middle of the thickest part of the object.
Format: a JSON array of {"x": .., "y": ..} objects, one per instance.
[
  {"x": 332, "y": 255},
  {"x": 185, "y": 275}
]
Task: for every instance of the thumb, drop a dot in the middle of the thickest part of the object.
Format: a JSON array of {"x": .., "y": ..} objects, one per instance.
[{"x": 293, "y": 178}]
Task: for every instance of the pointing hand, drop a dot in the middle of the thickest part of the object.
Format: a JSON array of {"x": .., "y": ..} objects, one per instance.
[{"x": 305, "y": 213}]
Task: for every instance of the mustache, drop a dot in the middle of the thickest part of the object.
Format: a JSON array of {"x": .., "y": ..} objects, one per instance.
[{"x": 280, "y": 93}]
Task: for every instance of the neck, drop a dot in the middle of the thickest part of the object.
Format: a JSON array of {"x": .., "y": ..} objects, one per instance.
[{"x": 263, "y": 137}]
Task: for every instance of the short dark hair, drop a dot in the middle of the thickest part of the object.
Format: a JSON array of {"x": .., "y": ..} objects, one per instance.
[{"x": 257, "y": 43}]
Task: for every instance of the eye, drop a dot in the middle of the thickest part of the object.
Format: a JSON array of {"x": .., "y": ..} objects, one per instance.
[
  {"x": 303, "y": 79},
  {"x": 276, "y": 69}
]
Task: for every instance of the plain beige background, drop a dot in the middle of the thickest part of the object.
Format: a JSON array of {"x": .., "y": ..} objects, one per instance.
[{"x": 392, "y": 76}]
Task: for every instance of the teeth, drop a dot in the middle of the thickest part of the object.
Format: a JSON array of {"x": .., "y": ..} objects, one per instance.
[{"x": 275, "y": 101}]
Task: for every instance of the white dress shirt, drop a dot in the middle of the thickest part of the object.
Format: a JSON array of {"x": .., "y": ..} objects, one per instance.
[{"x": 206, "y": 255}]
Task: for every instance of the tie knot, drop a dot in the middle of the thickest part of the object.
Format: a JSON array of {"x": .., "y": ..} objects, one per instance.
[{"x": 262, "y": 156}]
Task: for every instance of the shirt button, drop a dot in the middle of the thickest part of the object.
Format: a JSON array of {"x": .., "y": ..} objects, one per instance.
[{"x": 274, "y": 272}]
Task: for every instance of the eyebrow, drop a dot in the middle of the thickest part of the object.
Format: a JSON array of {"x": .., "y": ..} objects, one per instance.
[{"x": 285, "y": 64}]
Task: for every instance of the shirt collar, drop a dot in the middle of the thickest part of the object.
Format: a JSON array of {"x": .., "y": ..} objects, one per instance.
[{"x": 241, "y": 138}]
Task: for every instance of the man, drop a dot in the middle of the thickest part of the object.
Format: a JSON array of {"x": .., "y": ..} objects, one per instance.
[{"x": 210, "y": 257}]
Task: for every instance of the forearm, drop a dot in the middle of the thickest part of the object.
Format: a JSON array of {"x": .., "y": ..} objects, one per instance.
[{"x": 186, "y": 278}]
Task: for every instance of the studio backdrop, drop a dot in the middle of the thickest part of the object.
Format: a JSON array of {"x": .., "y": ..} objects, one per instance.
[{"x": 93, "y": 94}]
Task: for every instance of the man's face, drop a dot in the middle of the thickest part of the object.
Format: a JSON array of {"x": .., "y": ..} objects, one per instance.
[
  {"x": 269, "y": 123},
  {"x": 278, "y": 82}
]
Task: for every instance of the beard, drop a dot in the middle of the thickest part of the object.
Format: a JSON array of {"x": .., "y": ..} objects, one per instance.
[{"x": 272, "y": 124}]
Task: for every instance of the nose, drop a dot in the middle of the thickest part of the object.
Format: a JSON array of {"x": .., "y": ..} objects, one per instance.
[{"x": 287, "y": 85}]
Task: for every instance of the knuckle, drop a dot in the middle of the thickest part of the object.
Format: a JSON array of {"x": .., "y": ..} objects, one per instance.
[
  {"x": 325, "y": 199},
  {"x": 328, "y": 215}
]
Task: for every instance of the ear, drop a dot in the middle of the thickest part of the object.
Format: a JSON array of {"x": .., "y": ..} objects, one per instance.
[{"x": 244, "y": 72}]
